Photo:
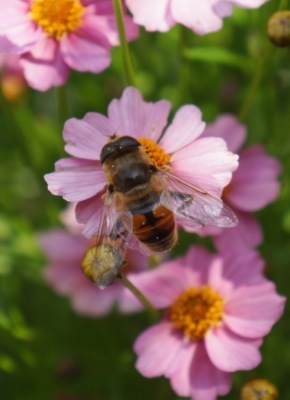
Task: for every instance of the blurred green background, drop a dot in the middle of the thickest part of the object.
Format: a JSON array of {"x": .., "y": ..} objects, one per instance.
[{"x": 46, "y": 350}]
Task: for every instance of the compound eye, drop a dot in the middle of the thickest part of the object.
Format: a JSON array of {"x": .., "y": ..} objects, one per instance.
[
  {"x": 128, "y": 141},
  {"x": 118, "y": 146}
]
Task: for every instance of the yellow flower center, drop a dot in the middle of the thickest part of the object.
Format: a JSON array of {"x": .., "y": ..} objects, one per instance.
[
  {"x": 57, "y": 17},
  {"x": 158, "y": 156},
  {"x": 196, "y": 310}
]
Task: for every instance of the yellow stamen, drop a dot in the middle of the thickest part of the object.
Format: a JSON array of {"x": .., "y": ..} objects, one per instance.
[
  {"x": 57, "y": 17},
  {"x": 196, "y": 310},
  {"x": 158, "y": 156}
]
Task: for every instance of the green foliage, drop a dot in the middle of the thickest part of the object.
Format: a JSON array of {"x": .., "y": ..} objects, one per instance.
[{"x": 45, "y": 348}]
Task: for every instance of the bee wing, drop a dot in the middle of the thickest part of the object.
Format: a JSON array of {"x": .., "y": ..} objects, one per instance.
[
  {"x": 197, "y": 206},
  {"x": 112, "y": 235}
]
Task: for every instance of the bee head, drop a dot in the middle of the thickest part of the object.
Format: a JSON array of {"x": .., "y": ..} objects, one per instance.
[{"x": 123, "y": 144}]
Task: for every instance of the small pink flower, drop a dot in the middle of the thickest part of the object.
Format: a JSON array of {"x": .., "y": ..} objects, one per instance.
[
  {"x": 64, "y": 251},
  {"x": 218, "y": 308},
  {"x": 56, "y": 36},
  {"x": 205, "y": 163},
  {"x": 253, "y": 186},
  {"x": 12, "y": 79},
  {"x": 200, "y": 16}
]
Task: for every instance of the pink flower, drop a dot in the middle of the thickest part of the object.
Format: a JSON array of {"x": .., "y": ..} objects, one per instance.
[
  {"x": 56, "y": 36},
  {"x": 253, "y": 186},
  {"x": 218, "y": 309},
  {"x": 200, "y": 16},
  {"x": 205, "y": 163},
  {"x": 64, "y": 251},
  {"x": 12, "y": 80}
]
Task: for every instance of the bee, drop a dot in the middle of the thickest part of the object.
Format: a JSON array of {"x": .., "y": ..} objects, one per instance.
[{"x": 145, "y": 203}]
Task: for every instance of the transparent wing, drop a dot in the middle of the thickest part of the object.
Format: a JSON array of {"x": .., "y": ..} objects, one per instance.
[
  {"x": 197, "y": 206},
  {"x": 103, "y": 261}
]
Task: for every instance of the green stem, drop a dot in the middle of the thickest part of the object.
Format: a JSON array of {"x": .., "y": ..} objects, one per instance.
[
  {"x": 140, "y": 296},
  {"x": 128, "y": 66},
  {"x": 258, "y": 75},
  {"x": 16, "y": 126},
  {"x": 257, "y": 78},
  {"x": 184, "y": 65},
  {"x": 62, "y": 104}
]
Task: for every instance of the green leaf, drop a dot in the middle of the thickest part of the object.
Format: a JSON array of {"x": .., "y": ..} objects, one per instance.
[{"x": 220, "y": 55}]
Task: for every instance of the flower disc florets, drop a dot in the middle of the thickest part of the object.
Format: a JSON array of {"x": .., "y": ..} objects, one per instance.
[
  {"x": 57, "y": 17},
  {"x": 196, "y": 310},
  {"x": 217, "y": 309},
  {"x": 54, "y": 36},
  {"x": 158, "y": 156}
]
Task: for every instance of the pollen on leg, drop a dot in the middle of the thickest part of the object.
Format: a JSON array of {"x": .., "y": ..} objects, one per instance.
[
  {"x": 196, "y": 310},
  {"x": 158, "y": 156},
  {"x": 57, "y": 17}
]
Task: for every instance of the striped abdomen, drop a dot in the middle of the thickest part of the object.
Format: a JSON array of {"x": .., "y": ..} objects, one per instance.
[{"x": 155, "y": 228}]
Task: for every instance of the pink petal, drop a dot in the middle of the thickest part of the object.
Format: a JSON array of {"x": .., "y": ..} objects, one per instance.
[
  {"x": 223, "y": 8},
  {"x": 247, "y": 234},
  {"x": 76, "y": 184},
  {"x": 68, "y": 218},
  {"x": 136, "y": 262},
  {"x": 184, "y": 129},
  {"x": 161, "y": 286},
  {"x": 64, "y": 277},
  {"x": 100, "y": 123},
  {"x": 87, "y": 208},
  {"x": 152, "y": 14},
  {"x": 234, "y": 270},
  {"x": 8, "y": 47},
  {"x": 86, "y": 50},
  {"x": 61, "y": 246},
  {"x": 198, "y": 262},
  {"x": 228, "y": 128},
  {"x": 178, "y": 371},
  {"x": 92, "y": 301},
  {"x": 132, "y": 116},
  {"x": 64, "y": 252},
  {"x": 207, "y": 230},
  {"x": 106, "y": 24},
  {"x": 85, "y": 140},
  {"x": 156, "y": 347},
  {"x": 207, "y": 382},
  {"x": 43, "y": 66},
  {"x": 206, "y": 163},
  {"x": 136, "y": 245},
  {"x": 255, "y": 182},
  {"x": 248, "y": 3},
  {"x": 73, "y": 163},
  {"x": 16, "y": 26},
  {"x": 251, "y": 311},
  {"x": 100, "y": 16},
  {"x": 89, "y": 212},
  {"x": 198, "y": 16},
  {"x": 230, "y": 352}
]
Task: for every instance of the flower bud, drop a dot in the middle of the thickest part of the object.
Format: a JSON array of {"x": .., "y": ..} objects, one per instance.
[
  {"x": 259, "y": 389},
  {"x": 278, "y": 28},
  {"x": 13, "y": 86}
]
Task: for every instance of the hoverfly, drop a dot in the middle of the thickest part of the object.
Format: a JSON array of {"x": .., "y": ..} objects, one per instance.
[{"x": 145, "y": 203}]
